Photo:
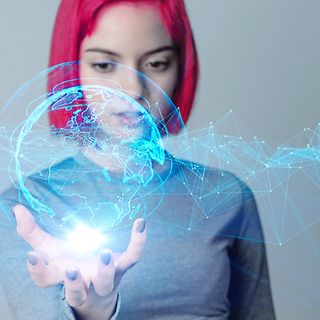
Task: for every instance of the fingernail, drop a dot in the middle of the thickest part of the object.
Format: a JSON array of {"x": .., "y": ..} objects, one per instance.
[
  {"x": 105, "y": 257},
  {"x": 33, "y": 260},
  {"x": 141, "y": 226},
  {"x": 72, "y": 274}
]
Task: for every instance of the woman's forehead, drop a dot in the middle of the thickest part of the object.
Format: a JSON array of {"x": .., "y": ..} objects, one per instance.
[{"x": 129, "y": 27}]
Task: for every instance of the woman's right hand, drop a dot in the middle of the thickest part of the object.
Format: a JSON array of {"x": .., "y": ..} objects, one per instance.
[{"x": 90, "y": 284}]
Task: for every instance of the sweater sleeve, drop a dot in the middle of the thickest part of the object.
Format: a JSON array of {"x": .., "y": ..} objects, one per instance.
[{"x": 249, "y": 292}]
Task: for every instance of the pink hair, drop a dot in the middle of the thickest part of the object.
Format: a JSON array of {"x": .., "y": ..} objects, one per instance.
[{"x": 76, "y": 19}]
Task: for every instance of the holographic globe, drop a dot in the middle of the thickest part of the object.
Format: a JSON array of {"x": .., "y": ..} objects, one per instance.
[{"x": 89, "y": 151}]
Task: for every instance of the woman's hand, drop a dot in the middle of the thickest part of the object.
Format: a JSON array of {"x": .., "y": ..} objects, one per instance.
[{"x": 90, "y": 284}]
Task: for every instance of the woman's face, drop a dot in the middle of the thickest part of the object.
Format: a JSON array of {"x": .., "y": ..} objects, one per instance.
[{"x": 135, "y": 37}]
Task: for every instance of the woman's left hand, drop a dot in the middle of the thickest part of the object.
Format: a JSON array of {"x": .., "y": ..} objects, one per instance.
[{"x": 91, "y": 283}]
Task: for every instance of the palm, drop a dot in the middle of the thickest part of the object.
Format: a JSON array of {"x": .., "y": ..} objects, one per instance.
[{"x": 52, "y": 260}]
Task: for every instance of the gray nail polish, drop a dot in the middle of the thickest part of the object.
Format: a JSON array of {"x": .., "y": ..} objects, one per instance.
[
  {"x": 72, "y": 274},
  {"x": 33, "y": 260},
  {"x": 141, "y": 226},
  {"x": 105, "y": 257}
]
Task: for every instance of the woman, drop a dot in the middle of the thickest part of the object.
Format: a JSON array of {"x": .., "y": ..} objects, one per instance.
[{"x": 193, "y": 275}]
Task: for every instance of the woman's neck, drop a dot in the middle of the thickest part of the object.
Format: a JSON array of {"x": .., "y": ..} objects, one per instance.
[
  {"x": 112, "y": 159},
  {"x": 115, "y": 158}
]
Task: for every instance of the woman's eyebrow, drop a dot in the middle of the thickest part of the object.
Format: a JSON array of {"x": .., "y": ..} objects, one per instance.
[
  {"x": 113, "y": 53},
  {"x": 104, "y": 51},
  {"x": 160, "y": 49}
]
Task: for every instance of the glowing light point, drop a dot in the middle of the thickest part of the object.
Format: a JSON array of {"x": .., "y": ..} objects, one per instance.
[{"x": 84, "y": 240}]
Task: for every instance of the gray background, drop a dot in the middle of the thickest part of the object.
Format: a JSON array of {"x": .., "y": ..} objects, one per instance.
[{"x": 258, "y": 57}]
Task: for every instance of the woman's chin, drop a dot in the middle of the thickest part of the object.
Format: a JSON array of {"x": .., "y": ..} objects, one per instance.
[{"x": 125, "y": 134}]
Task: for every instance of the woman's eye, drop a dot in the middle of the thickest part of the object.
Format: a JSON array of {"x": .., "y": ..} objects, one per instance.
[
  {"x": 103, "y": 66},
  {"x": 158, "y": 65}
]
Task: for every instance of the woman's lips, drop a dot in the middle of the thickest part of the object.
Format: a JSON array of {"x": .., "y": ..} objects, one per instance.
[{"x": 131, "y": 119}]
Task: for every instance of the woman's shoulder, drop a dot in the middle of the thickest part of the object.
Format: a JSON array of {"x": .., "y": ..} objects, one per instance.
[
  {"x": 219, "y": 200},
  {"x": 206, "y": 176},
  {"x": 215, "y": 186},
  {"x": 32, "y": 183}
]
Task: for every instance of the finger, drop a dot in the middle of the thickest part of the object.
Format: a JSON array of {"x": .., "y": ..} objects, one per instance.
[
  {"x": 41, "y": 275},
  {"x": 75, "y": 289},
  {"x": 135, "y": 248},
  {"x": 104, "y": 279},
  {"x": 28, "y": 229}
]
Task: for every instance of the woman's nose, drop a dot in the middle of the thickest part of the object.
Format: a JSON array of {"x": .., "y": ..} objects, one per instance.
[{"x": 134, "y": 85}]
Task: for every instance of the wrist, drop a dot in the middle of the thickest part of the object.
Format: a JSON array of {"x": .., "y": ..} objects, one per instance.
[{"x": 97, "y": 307}]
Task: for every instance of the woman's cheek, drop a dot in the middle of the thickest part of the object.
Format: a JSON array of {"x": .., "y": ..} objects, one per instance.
[{"x": 167, "y": 84}]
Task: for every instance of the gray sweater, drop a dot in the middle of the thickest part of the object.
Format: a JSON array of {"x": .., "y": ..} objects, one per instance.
[{"x": 204, "y": 257}]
